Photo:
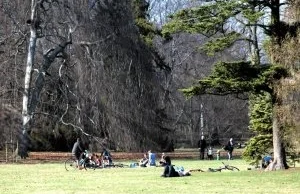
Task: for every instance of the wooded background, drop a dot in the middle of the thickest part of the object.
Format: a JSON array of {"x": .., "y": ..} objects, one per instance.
[{"x": 106, "y": 85}]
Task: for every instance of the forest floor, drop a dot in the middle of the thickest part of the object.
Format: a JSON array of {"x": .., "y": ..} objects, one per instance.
[{"x": 42, "y": 157}]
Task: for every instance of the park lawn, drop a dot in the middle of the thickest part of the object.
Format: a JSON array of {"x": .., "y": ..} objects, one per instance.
[{"x": 53, "y": 178}]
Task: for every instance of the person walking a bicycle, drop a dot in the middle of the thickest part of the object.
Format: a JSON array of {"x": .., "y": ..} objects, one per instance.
[{"x": 77, "y": 150}]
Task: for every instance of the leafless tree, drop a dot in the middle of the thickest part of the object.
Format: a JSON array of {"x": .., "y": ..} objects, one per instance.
[
  {"x": 89, "y": 73},
  {"x": 222, "y": 117},
  {"x": 159, "y": 10}
]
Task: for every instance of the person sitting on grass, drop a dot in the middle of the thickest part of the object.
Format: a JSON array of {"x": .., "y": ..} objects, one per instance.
[
  {"x": 106, "y": 156},
  {"x": 144, "y": 161},
  {"x": 151, "y": 158},
  {"x": 266, "y": 160},
  {"x": 96, "y": 159},
  {"x": 162, "y": 161}
]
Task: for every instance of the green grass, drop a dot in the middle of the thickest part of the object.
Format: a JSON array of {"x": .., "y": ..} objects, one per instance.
[{"x": 53, "y": 178}]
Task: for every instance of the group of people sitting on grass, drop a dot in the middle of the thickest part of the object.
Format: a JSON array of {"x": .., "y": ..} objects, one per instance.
[
  {"x": 104, "y": 159},
  {"x": 149, "y": 159},
  {"x": 80, "y": 155}
]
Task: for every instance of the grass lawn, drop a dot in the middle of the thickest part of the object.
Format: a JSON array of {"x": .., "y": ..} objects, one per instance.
[{"x": 53, "y": 178}]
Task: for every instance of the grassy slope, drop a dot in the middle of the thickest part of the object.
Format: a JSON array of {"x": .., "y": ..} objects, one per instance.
[{"x": 52, "y": 178}]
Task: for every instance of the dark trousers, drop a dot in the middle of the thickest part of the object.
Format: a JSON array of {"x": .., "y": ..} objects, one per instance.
[
  {"x": 230, "y": 154},
  {"x": 202, "y": 155}
]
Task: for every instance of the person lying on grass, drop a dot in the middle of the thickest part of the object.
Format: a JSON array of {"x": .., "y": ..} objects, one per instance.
[{"x": 170, "y": 171}]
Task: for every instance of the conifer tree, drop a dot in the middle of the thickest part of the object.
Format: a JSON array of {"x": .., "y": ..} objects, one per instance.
[
  {"x": 226, "y": 22},
  {"x": 260, "y": 113},
  {"x": 147, "y": 30}
]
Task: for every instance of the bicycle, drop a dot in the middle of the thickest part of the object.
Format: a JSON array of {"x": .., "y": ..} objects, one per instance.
[
  {"x": 107, "y": 164},
  {"x": 120, "y": 165},
  {"x": 224, "y": 167}
]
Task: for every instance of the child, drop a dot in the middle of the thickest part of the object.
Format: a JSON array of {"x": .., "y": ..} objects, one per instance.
[
  {"x": 218, "y": 154},
  {"x": 210, "y": 153}
]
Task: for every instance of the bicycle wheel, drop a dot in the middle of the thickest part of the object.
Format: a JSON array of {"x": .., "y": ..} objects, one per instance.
[
  {"x": 70, "y": 164},
  {"x": 87, "y": 164}
]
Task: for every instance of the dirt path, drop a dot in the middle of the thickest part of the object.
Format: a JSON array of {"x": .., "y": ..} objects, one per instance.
[{"x": 40, "y": 157}]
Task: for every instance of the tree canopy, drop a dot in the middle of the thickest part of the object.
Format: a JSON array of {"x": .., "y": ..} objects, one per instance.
[
  {"x": 237, "y": 78},
  {"x": 226, "y": 23}
]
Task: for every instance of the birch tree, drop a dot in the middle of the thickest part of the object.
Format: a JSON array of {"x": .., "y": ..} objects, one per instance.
[{"x": 33, "y": 87}]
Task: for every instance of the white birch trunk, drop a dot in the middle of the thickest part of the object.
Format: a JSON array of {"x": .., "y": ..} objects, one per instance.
[
  {"x": 26, "y": 115},
  {"x": 31, "y": 97}
]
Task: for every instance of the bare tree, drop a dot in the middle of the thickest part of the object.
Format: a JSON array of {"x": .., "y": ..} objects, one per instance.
[
  {"x": 159, "y": 10},
  {"x": 100, "y": 80},
  {"x": 222, "y": 117},
  {"x": 39, "y": 23}
]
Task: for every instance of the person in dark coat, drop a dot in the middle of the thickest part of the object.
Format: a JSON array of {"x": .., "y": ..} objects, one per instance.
[
  {"x": 230, "y": 148},
  {"x": 202, "y": 146}
]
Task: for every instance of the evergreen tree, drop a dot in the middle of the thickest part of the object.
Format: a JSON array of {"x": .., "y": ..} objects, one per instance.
[
  {"x": 147, "y": 30},
  {"x": 261, "y": 123},
  {"x": 230, "y": 21}
]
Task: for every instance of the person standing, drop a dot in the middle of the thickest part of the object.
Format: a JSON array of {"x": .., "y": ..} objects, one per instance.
[
  {"x": 230, "y": 148},
  {"x": 202, "y": 146}
]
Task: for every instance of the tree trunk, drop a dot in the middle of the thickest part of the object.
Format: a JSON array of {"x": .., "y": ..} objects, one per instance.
[
  {"x": 278, "y": 161},
  {"x": 31, "y": 97},
  {"x": 26, "y": 116}
]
